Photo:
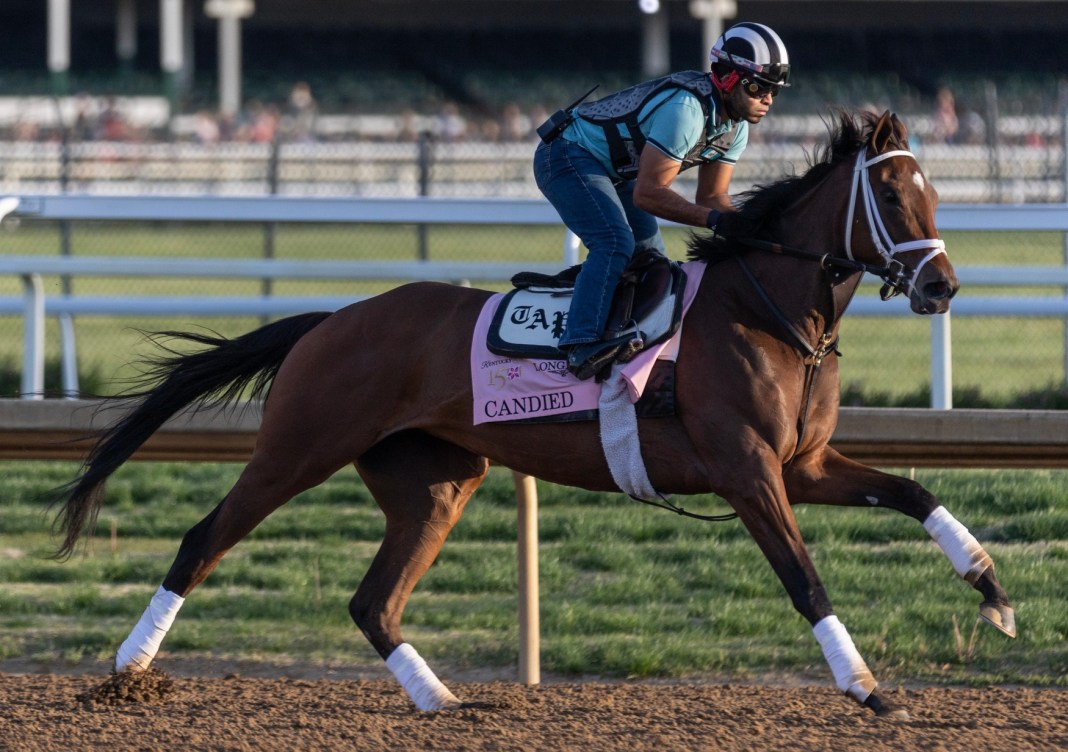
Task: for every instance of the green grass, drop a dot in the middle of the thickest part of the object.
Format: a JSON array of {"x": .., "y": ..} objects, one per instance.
[{"x": 626, "y": 590}]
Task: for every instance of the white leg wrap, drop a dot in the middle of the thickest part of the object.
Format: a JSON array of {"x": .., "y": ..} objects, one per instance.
[
  {"x": 425, "y": 689},
  {"x": 965, "y": 554},
  {"x": 851, "y": 674},
  {"x": 144, "y": 641}
]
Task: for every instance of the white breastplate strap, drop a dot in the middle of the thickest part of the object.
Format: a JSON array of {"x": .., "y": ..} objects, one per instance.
[{"x": 880, "y": 237}]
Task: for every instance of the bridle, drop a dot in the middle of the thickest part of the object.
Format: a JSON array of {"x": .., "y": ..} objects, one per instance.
[{"x": 898, "y": 278}]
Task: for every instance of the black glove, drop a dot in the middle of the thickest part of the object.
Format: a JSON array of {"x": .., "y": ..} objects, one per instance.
[{"x": 713, "y": 219}]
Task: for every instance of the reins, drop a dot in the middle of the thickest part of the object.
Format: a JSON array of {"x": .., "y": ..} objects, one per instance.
[
  {"x": 893, "y": 273},
  {"x": 664, "y": 503}
]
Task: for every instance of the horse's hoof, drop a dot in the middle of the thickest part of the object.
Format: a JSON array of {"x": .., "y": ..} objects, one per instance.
[
  {"x": 1002, "y": 617},
  {"x": 885, "y": 710}
]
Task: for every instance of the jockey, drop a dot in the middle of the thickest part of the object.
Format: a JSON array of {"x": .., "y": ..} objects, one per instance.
[{"x": 609, "y": 189}]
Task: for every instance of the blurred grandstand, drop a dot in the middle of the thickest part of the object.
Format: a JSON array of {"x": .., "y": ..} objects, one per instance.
[{"x": 369, "y": 97}]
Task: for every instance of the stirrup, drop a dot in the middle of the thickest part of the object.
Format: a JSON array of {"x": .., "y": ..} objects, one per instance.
[
  {"x": 591, "y": 358},
  {"x": 594, "y": 358},
  {"x": 633, "y": 343}
]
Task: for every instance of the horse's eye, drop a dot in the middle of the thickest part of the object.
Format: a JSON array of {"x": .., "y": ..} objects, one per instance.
[{"x": 890, "y": 197}]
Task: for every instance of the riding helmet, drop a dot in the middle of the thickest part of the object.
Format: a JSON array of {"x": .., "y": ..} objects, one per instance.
[{"x": 755, "y": 51}]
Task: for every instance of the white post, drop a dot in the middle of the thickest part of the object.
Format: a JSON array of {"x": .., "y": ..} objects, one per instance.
[
  {"x": 526, "y": 492},
  {"x": 712, "y": 13},
  {"x": 69, "y": 359},
  {"x": 228, "y": 14},
  {"x": 941, "y": 363},
  {"x": 59, "y": 43},
  {"x": 58, "y": 35},
  {"x": 171, "y": 59},
  {"x": 656, "y": 40},
  {"x": 229, "y": 65},
  {"x": 126, "y": 31},
  {"x": 33, "y": 331}
]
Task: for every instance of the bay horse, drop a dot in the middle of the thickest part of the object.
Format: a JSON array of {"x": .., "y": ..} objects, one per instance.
[{"x": 384, "y": 385}]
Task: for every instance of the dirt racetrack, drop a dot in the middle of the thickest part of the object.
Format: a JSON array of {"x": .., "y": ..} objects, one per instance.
[{"x": 50, "y": 711}]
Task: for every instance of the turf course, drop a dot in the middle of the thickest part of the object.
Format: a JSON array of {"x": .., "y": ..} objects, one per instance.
[{"x": 626, "y": 590}]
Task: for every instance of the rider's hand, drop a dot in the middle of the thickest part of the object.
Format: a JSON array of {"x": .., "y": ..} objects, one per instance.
[{"x": 712, "y": 221}]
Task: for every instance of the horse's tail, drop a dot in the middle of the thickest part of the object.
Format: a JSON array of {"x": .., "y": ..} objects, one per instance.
[{"x": 173, "y": 381}]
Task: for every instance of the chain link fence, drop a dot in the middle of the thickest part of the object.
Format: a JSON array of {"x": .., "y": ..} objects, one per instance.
[{"x": 1024, "y": 163}]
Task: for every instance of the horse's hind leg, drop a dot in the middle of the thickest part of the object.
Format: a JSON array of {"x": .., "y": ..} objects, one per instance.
[
  {"x": 422, "y": 484},
  {"x": 265, "y": 484},
  {"x": 829, "y": 478}
]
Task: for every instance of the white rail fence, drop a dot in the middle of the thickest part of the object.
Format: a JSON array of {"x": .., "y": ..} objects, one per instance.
[{"x": 35, "y": 304}]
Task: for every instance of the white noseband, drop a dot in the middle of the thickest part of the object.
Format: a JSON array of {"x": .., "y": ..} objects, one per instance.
[{"x": 881, "y": 239}]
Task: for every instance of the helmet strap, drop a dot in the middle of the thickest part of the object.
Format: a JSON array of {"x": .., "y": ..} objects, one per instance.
[
  {"x": 726, "y": 86},
  {"x": 728, "y": 82}
]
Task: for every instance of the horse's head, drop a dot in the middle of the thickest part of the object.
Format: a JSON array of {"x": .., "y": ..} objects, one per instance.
[{"x": 891, "y": 219}]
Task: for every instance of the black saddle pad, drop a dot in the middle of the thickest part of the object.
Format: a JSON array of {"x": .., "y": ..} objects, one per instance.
[{"x": 530, "y": 320}]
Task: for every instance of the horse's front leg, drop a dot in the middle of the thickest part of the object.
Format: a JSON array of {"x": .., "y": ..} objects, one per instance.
[
  {"x": 766, "y": 513},
  {"x": 826, "y": 477}
]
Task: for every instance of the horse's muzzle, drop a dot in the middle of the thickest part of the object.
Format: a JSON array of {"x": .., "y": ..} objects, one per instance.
[{"x": 933, "y": 295}]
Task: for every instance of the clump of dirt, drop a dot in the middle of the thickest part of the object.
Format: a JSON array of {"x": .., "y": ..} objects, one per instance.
[{"x": 150, "y": 687}]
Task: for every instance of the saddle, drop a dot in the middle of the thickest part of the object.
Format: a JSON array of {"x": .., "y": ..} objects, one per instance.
[{"x": 646, "y": 309}]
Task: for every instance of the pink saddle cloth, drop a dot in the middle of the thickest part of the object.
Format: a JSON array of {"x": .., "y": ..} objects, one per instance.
[{"x": 508, "y": 389}]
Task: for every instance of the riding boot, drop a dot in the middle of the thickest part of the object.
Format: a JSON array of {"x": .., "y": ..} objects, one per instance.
[{"x": 591, "y": 358}]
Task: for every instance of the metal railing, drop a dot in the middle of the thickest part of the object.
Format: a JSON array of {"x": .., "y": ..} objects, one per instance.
[{"x": 35, "y": 305}]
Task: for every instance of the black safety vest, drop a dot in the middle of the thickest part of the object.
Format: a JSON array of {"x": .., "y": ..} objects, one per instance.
[{"x": 622, "y": 108}]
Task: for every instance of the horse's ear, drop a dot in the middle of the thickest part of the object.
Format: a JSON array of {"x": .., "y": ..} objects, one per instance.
[
  {"x": 901, "y": 133},
  {"x": 882, "y": 133}
]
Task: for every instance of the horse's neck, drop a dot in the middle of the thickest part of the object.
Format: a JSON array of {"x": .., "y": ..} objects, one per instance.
[
  {"x": 798, "y": 287},
  {"x": 816, "y": 221}
]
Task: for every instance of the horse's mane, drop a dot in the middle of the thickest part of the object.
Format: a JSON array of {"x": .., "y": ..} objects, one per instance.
[{"x": 760, "y": 207}]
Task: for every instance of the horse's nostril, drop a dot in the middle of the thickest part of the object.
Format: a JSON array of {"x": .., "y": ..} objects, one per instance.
[{"x": 939, "y": 291}]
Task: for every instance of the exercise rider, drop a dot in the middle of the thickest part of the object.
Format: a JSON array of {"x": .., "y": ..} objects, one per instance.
[{"x": 594, "y": 166}]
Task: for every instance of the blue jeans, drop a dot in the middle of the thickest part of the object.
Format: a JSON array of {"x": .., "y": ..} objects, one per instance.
[{"x": 601, "y": 211}]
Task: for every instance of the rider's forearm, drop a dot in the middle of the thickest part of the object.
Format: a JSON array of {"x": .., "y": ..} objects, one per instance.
[{"x": 667, "y": 204}]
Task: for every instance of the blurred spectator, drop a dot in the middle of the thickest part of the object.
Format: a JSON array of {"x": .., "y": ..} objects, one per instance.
[
  {"x": 944, "y": 123},
  {"x": 26, "y": 131},
  {"x": 451, "y": 124},
  {"x": 301, "y": 112},
  {"x": 206, "y": 128},
  {"x": 85, "y": 120},
  {"x": 111, "y": 126},
  {"x": 409, "y": 126},
  {"x": 259, "y": 124},
  {"x": 514, "y": 125},
  {"x": 489, "y": 131},
  {"x": 972, "y": 128}
]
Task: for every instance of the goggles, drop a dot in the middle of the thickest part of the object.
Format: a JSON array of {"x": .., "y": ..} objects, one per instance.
[{"x": 759, "y": 89}]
